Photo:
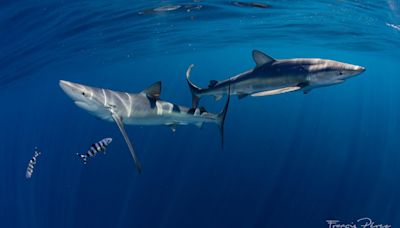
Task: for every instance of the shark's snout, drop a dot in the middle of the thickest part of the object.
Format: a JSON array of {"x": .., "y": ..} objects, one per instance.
[
  {"x": 359, "y": 69},
  {"x": 64, "y": 85},
  {"x": 80, "y": 94},
  {"x": 73, "y": 90},
  {"x": 352, "y": 70}
]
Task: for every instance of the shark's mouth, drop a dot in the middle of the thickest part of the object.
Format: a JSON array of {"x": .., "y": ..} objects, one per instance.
[{"x": 85, "y": 106}]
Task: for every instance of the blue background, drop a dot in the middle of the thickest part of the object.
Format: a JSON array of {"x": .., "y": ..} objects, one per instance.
[{"x": 290, "y": 160}]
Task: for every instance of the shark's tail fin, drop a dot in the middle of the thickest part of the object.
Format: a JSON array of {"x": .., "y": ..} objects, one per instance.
[
  {"x": 195, "y": 90},
  {"x": 83, "y": 156},
  {"x": 222, "y": 116}
]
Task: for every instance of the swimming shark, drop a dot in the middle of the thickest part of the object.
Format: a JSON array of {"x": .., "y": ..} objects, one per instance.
[
  {"x": 272, "y": 76},
  {"x": 144, "y": 108}
]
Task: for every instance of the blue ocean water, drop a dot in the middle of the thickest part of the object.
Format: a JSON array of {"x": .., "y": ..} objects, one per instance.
[{"x": 289, "y": 160}]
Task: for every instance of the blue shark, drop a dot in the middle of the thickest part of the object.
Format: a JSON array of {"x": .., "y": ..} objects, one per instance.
[
  {"x": 272, "y": 76},
  {"x": 143, "y": 108}
]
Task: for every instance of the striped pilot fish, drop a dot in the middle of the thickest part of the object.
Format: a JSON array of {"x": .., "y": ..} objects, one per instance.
[
  {"x": 32, "y": 163},
  {"x": 100, "y": 146}
]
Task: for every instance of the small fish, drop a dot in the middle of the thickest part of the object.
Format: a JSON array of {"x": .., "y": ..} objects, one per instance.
[
  {"x": 100, "y": 146},
  {"x": 31, "y": 164}
]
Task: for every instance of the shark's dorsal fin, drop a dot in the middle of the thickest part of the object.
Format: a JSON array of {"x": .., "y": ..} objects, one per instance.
[
  {"x": 153, "y": 91},
  {"x": 261, "y": 58}
]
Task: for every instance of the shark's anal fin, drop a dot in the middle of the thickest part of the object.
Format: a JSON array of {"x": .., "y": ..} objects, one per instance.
[{"x": 121, "y": 127}]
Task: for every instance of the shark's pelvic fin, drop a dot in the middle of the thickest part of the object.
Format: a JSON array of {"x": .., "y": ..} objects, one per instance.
[
  {"x": 261, "y": 58},
  {"x": 121, "y": 127},
  {"x": 153, "y": 91},
  {"x": 276, "y": 91}
]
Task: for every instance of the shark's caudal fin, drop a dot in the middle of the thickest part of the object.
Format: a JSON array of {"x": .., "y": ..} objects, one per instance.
[
  {"x": 121, "y": 127},
  {"x": 222, "y": 116},
  {"x": 195, "y": 90}
]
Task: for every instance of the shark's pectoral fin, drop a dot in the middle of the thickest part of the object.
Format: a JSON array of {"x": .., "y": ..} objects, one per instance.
[
  {"x": 153, "y": 91},
  {"x": 276, "y": 91},
  {"x": 242, "y": 95},
  {"x": 121, "y": 127}
]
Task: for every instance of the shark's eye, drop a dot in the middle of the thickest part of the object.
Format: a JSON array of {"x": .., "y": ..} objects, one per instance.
[
  {"x": 340, "y": 73},
  {"x": 83, "y": 93}
]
